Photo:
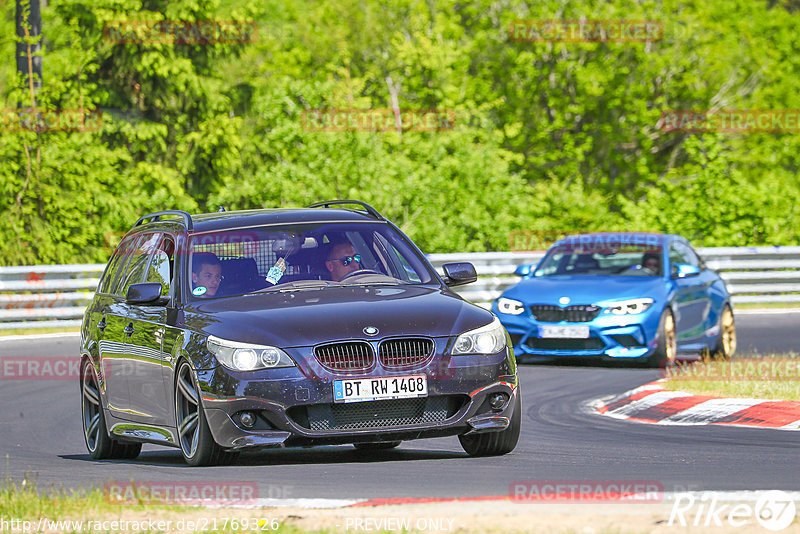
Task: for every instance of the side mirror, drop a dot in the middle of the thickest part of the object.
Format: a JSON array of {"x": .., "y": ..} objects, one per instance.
[
  {"x": 682, "y": 270},
  {"x": 523, "y": 270},
  {"x": 458, "y": 274},
  {"x": 149, "y": 293}
]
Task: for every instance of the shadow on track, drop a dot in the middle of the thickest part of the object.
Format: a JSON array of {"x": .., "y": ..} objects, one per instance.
[{"x": 324, "y": 454}]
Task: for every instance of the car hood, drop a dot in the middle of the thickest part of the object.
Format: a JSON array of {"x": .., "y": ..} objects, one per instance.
[
  {"x": 585, "y": 289},
  {"x": 310, "y": 317}
]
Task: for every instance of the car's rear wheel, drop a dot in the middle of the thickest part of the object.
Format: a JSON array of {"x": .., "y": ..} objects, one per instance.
[
  {"x": 194, "y": 436},
  {"x": 726, "y": 342},
  {"x": 496, "y": 443},
  {"x": 376, "y": 446},
  {"x": 667, "y": 347},
  {"x": 95, "y": 432}
]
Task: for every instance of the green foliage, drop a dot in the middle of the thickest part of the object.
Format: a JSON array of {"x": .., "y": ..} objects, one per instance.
[{"x": 548, "y": 137}]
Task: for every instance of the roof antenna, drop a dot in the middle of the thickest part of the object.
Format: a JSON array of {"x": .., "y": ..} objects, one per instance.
[{"x": 221, "y": 209}]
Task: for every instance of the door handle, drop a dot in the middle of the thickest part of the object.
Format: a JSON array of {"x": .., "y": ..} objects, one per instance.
[
  {"x": 102, "y": 324},
  {"x": 129, "y": 329}
]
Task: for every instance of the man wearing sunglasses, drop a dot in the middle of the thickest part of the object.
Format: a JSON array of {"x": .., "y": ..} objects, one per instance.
[{"x": 342, "y": 260}]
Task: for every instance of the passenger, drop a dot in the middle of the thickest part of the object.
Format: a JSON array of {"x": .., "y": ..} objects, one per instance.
[
  {"x": 342, "y": 260},
  {"x": 206, "y": 274}
]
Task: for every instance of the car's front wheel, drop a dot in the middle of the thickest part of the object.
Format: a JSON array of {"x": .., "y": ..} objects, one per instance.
[
  {"x": 667, "y": 347},
  {"x": 101, "y": 446},
  {"x": 194, "y": 436},
  {"x": 726, "y": 342},
  {"x": 496, "y": 443}
]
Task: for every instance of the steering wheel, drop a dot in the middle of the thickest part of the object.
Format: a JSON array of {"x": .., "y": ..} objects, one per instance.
[{"x": 358, "y": 272}]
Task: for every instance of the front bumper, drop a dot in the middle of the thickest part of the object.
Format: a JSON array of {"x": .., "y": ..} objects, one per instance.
[
  {"x": 611, "y": 337},
  {"x": 295, "y": 406}
]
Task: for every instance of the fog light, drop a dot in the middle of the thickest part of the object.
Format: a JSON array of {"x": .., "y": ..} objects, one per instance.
[
  {"x": 497, "y": 400},
  {"x": 247, "y": 419}
]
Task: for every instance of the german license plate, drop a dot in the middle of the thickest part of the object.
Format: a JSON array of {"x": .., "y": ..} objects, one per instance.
[
  {"x": 380, "y": 388},
  {"x": 561, "y": 332}
]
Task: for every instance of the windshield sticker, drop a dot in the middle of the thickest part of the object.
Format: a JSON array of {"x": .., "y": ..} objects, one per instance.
[
  {"x": 199, "y": 291},
  {"x": 276, "y": 271}
]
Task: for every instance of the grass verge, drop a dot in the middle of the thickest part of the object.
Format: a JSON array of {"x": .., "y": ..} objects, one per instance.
[
  {"x": 775, "y": 377},
  {"x": 24, "y": 507}
]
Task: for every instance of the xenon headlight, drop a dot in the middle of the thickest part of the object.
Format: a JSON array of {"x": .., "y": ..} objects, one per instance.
[
  {"x": 627, "y": 307},
  {"x": 247, "y": 357},
  {"x": 489, "y": 339},
  {"x": 510, "y": 306}
]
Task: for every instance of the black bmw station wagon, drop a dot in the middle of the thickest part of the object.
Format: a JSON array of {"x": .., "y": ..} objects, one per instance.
[{"x": 234, "y": 331}]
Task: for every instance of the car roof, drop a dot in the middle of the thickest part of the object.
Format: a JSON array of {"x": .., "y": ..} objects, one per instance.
[
  {"x": 209, "y": 222},
  {"x": 650, "y": 238}
]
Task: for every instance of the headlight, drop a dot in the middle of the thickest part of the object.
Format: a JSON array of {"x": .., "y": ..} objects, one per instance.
[
  {"x": 489, "y": 339},
  {"x": 510, "y": 306},
  {"x": 627, "y": 307},
  {"x": 247, "y": 357}
]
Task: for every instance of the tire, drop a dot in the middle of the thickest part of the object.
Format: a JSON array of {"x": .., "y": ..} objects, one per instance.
[
  {"x": 95, "y": 432},
  {"x": 194, "y": 437},
  {"x": 726, "y": 342},
  {"x": 376, "y": 446},
  {"x": 666, "y": 349},
  {"x": 496, "y": 443}
]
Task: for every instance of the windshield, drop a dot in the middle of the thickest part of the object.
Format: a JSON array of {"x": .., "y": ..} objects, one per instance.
[
  {"x": 301, "y": 256},
  {"x": 630, "y": 260}
]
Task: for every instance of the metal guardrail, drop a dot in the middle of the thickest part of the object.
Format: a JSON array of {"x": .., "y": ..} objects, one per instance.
[{"x": 56, "y": 295}]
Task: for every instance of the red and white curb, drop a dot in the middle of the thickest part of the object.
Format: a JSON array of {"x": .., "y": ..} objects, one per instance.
[{"x": 651, "y": 403}]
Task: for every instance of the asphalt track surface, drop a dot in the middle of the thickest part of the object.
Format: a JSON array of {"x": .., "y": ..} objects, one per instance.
[{"x": 40, "y": 436}]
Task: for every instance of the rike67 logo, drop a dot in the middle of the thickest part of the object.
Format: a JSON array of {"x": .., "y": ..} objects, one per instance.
[{"x": 774, "y": 510}]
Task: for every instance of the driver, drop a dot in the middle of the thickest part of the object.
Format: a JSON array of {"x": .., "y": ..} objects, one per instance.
[
  {"x": 650, "y": 262},
  {"x": 342, "y": 260}
]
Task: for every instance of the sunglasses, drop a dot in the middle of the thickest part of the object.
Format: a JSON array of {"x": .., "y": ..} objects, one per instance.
[{"x": 347, "y": 260}]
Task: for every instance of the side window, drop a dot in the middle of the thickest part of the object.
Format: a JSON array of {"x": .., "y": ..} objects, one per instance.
[
  {"x": 136, "y": 269},
  {"x": 695, "y": 257},
  {"x": 160, "y": 269},
  {"x": 680, "y": 253},
  {"x": 116, "y": 264}
]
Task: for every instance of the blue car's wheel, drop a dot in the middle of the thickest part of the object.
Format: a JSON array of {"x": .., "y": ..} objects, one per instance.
[
  {"x": 667, "y": 345},
  {"x": 726, "y": 342}
]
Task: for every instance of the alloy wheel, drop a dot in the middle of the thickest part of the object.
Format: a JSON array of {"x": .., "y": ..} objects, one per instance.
[
  {"x": 728, "y": 333},
  {"x": 92, "y": 424},
  {"x": 669, "y": 338},
  {"x": 187, "y": 411}
]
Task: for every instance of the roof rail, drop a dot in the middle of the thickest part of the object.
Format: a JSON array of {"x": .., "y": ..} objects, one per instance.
[
  {"x": 369, "y": 209},
  {"x": 157, "y": 216}
]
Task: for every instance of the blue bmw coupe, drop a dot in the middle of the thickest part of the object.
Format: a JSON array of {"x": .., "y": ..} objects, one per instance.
[{"x": 638, "y": 297}]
